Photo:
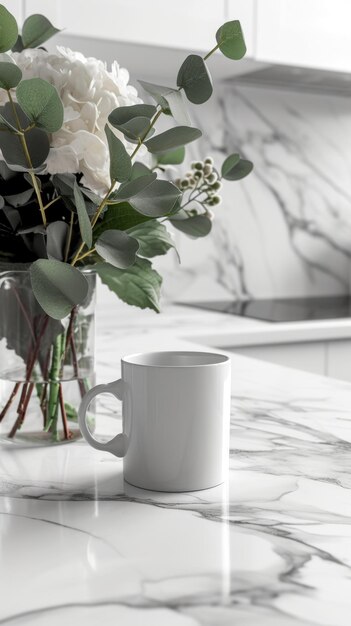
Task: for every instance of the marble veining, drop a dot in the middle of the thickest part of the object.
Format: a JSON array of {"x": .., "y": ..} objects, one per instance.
[
  {"x": 270, "y": 547},
  {"x": 286, "y": 229}
]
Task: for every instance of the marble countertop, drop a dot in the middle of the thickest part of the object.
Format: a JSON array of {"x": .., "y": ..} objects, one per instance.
[{"x": 271, "y": 548}]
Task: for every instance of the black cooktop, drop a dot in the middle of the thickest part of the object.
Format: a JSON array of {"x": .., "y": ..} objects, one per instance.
[{"x": 282, "y": 309}]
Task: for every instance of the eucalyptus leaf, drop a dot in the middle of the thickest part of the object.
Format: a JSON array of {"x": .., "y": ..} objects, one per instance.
[
  {"x": 36, "y": 30},
  {"x": 158, "y": 92},
  {"x": 157, "y": 199},
  {"x": 138, "y": 285},
  {"x": 174, "y": 157},
  {"x": 195, "y": 79},
  {"x": 57, "y": 286},
  {"x": 139, "y": 169},
  {"x": 153, "y": 237},
  {"x": 56, "y": 238},
  {"x": 21, "y": 198},
  {"x": 64, "y": 183},
  {"x": 41, "y": 103},
  {"x": 172, "y": 138},
  {"x": 117, "y": 248},
  {"x": 235, "y": 168},
  {"x": 38, "y": 147},
  {"x": 178, "y": 107},
  {"x": 119, "y": 216},
  {"x": 120, "y": 162},
  {"x": 8, "y": 29},
  {"x": 231, "y": 41},
  {"x": 195, "y": 226},
  {"x": 10, "y": 75},
  {"x": 136, "y": 129},
  {"x": 121, "y": 115},
  {"x": 83, "y": 218},
  {"x": 132, "y": 188}
]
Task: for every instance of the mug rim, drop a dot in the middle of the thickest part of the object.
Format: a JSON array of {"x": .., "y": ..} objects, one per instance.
[{"x": 222, "y": 358}]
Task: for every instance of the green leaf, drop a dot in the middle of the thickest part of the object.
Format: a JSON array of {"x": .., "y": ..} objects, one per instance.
[
  {"x": 174, "y": 157},
  {"x": 117, "y": 248},
  {"x": 172, "y": 138},
  {"x": 41, "y": 103},
  {"x": 235, "y": 168},
  {"x": 83, "y": 218},
  {"x": 119, "y": 216},
  {"x": 195, "y": 79},
  {"x": 138, "y": 285},
  {"x": 136, "y": 129},
  {"x": 57, "y": 286},
  {"x": 56, "y": 237},
  {"x": 12, "y": 150},
  {"x": 36, "y": 30},
  {"x": 139, "y": 169},
  {"x": 10, "y": 75},
  {"x": 178, "y": 108},
  {"x": 8, "y": 29},
  {"x": 153, "y": 237},
  {"x": 157, "y": 199},
  {"x": 158, "y": 93},
  {"x": 122, "y": 115},
  {"x": 132, "y": 188},
  {"x": 196, "y": 226},
  {"x": 231, "y": 41},
  {"x": 120, "y": 162}
]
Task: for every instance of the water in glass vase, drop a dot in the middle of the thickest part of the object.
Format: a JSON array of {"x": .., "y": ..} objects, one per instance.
[{"x": 46, "y": 365}]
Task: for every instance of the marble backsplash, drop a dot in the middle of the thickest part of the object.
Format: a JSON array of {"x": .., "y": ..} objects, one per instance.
[{"x": 286, "y": 229}]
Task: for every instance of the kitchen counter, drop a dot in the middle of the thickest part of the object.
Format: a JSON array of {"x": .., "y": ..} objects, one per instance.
[{"x": 271, "y": 548}]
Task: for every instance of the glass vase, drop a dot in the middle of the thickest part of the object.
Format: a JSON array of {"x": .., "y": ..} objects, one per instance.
[{"x": 46, "y": 365}]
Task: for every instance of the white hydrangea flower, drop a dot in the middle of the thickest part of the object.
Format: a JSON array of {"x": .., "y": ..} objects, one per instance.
[{"x": 89, "y": 92}]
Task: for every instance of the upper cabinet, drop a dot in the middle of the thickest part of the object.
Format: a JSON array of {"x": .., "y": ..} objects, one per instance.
[
  {"x": 305, "y": 33},
  {"x": 187, "y": 25}
]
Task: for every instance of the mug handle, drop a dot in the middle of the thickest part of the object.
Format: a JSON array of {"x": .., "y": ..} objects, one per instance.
[{"x": 117, "y": 445}]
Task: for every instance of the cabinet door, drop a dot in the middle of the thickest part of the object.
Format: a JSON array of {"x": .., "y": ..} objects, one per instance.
[
  {"x": 309, "y": 357},
  {"x": 190, "y": 25},
  {"x": 339, "y": 359},
  {"x": 308, "y": 33},
  {"x": 243, "y": 10}
]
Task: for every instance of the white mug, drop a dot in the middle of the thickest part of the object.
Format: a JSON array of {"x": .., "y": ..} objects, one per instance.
[{"x": 176, "y": 414}]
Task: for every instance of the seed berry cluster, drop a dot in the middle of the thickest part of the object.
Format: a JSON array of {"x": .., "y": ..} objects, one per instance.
[{"x": 203, "y": 184}]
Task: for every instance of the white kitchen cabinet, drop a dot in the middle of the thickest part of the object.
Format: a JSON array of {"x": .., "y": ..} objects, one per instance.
[
  {"x": 309, "y": 357},
  {"x": 186, "y": 25},
  {"x": 339, "y": 359},
  {"x": 305, "y": 33}
]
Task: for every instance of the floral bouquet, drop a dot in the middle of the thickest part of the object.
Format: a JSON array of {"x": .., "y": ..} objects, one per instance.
[{"x": 85, "y": 192}]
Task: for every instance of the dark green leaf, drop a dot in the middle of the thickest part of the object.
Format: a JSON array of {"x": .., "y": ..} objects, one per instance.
[
  {"x": 235, "y": 168},
  {"x": 137, "y": 129},
  {"x": 58, "y": 287},
  {"x": 153, "y": 237},
  {"x": 19, "y": 199},
  {"x": 158, "y": 93},
  {"x": 172, "y": 138},
  {"x": 195, "y": 79},
  {"x": 174, "y": 157},
  {"x": 36, "y": 30},
  {"x": 139, "y": 169},
  {"x": 119, "y": 216},
  {"x": 132, "y": 188},
  {"x": 12, "y": 150},
  {"x": 231, "y": 41},
  {"x": 83, "y": 218},
  {"x": 121, "y": 115},
  {"x": 64, "y": 183},
  {"x": 138, "y": 285},
  {"x": 41, "y": 103},
  {"x": 157, "y": 199},
  {"x": 18, "y": 46},
  {"x": 10, "y": 75},
  {"x": 8, "y": 29},
  {"x": 117, "y": 248},
  {"x": 56, "y": 237},
  {"x": 196, "y": 226},
  {"x": 120, "y": 162}
]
